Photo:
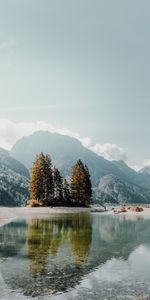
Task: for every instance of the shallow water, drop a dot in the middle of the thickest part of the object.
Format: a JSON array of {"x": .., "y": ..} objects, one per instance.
[{"x": 76, "y": 256}]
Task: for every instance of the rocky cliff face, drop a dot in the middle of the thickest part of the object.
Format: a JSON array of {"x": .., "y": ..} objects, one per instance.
[
  {"x": 112, "y": 189},
  {"x": 14, "y": 181}
]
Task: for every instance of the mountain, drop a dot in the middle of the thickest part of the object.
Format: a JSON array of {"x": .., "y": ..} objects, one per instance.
[
  {"x": 139, "y": 178},
  {"x": 14, "y": 181},
  {"x": 112, "y": 189},
  {"x": 13, "y": 164},
  {"x": 65, "y": 151},
  {"x": 145, "y": 170}
]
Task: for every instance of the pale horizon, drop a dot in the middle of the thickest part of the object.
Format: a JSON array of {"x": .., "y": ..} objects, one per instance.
[
  {"x": 11, "y": 132},
  {"x": 79, "y": 65}
]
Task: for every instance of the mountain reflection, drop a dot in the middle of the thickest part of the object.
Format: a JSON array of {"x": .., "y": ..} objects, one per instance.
[
  {"x": 12, "y": 238},
  {"x": 46, "y": 237}
]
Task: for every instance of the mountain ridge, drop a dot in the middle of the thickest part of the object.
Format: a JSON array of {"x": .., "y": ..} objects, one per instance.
[
  {"x": 112, "y": 189},
  {"x": 65, "y": 151},
  {"x": 14, "y": 181}
]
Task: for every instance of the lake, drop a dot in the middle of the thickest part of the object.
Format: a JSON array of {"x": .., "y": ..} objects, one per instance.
[{"x": 75, "y": 256}]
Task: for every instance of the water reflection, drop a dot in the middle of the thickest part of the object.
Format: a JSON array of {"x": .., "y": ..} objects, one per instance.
[
  {"x": 46, "y": 237},
  {"x": 54, "y": 254},
  {"x": 39, "y": 239},
  {"x": 12, "y": 237},
  {"x": 80, "y": 238}
]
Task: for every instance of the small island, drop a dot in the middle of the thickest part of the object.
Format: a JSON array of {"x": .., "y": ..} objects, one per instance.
[{"x": 49, "y": 189}]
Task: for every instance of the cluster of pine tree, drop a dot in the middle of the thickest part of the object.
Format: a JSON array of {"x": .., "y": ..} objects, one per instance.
[{"x": 48, "y": 188}]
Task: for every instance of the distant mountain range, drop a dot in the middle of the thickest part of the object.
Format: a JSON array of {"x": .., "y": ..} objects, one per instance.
[
  {"x": 64, "y": 151},
  {"x": 113, "y": 189},
  {"x": 129, "y": 185},
  {"x": 14, "y": 181},
  {"x": 145, "y": 170}
]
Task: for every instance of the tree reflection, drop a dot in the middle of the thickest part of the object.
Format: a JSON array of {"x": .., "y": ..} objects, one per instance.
[
  {"x": 46, "y": 237},
  {"x": 38, "y": 246},
  {"x": 61, "y": 250},
  {"x": 81, "y": 238}
]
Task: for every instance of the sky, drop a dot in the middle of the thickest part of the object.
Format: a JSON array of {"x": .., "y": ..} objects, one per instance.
[{"x": 77, "y": 66}]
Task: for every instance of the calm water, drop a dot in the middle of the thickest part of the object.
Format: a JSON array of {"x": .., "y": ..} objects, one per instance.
[{"x": 77, "y": 256}]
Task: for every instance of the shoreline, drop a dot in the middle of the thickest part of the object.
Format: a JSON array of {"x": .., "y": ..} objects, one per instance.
[
  {"x": 133, "y": 215},
  {"x": 8, "y": 214}
]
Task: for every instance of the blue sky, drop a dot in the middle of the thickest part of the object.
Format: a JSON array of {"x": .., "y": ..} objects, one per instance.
[{"x": 83, "y": 65}]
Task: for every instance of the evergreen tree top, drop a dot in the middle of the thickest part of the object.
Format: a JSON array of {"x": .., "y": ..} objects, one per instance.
[{"x": 47, "y": 187}]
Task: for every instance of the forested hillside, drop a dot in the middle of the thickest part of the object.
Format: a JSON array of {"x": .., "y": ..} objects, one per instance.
[{"x": 14, "y": 181}]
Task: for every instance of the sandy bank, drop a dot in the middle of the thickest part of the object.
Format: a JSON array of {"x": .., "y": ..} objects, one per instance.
[
  {"x": 9, "y": 214},
  {"x": 6, "y": 216}
]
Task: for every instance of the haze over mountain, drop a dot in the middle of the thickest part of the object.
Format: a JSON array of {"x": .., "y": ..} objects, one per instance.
[
  {"x": 145, "y": 170},
  {"x": 139, "y": 178},
  {"x": 65, "y": 151}
]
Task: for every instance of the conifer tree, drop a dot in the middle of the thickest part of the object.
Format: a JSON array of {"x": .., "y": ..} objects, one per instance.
[
  {"x": 88, "y": 186},
  {"x": 48, "y": 188},
  {"x": 41, "y": 185},
  {"x": 49, "y": 181},
  {"x": 81, "y": 189},
  {"x": 66, "y": 193},
  {"x": 36, "y": 185},
  {"x": 58, "y": 187}
]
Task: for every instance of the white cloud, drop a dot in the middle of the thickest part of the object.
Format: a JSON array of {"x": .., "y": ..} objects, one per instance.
[
  {"x": 135, "y": 167},
  {"x": 109, "y": 151},
  {"x": 10, "y": 132},
  {"x": 145, "y": 163}
]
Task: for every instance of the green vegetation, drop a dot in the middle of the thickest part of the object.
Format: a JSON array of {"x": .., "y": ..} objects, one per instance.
[
  {"x": 81, "y": 185},
  {"x": 48, "y": 188}
]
